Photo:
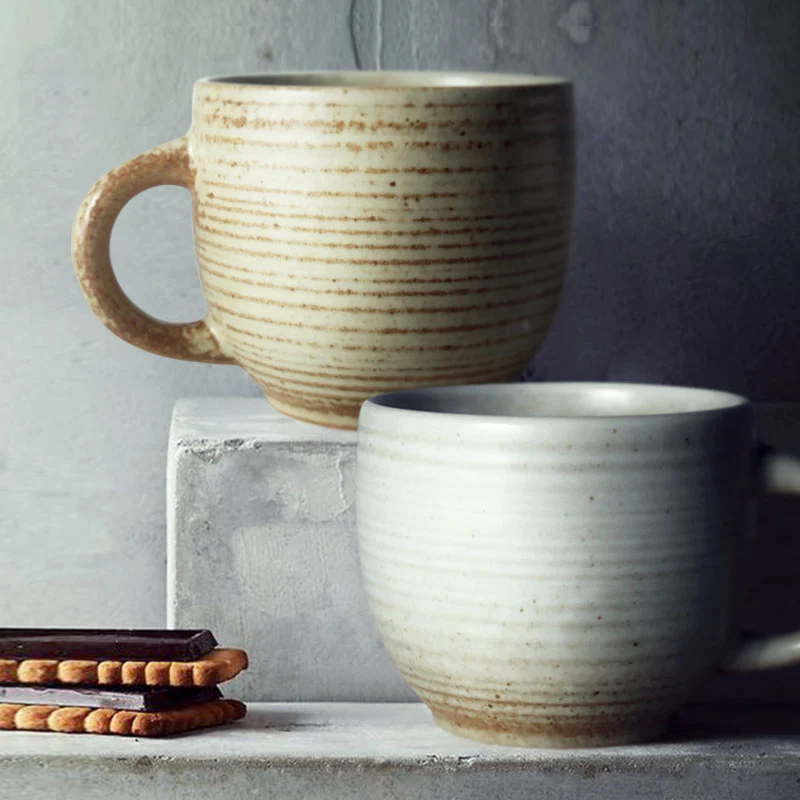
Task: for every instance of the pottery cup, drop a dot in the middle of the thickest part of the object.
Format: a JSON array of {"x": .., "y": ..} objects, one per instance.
[
  {"x": 552, "y": 565},
  {"x": 357, "y": 232}
]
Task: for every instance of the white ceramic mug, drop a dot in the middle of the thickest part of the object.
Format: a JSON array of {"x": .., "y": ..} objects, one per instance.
[
  {"x": 551, "y": 564},
  {"x": 357, "y": 232}
]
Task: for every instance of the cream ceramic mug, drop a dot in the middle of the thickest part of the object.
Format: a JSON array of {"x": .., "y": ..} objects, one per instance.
[
  {"x": 551, "y": 565},
  {"x": 357, "y": 232}
]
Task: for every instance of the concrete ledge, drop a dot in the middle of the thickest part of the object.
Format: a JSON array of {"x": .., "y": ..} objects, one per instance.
[{"x": 335, "y": 751}]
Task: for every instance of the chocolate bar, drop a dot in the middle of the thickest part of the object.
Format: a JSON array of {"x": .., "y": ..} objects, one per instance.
[
  {"x": 158, "y": 699},
  {"x": 110, "y": 645}
]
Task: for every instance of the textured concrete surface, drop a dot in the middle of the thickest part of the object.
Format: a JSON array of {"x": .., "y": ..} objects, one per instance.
[
  {"x": 262, "y": 548},
  {"x": 687, "y": 232},
  {"x": 336, "y": 751}
]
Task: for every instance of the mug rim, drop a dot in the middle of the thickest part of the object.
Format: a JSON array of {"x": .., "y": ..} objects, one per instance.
[
  {"x": 387, "y": 80},
  {"x": 397, "y": 404}
]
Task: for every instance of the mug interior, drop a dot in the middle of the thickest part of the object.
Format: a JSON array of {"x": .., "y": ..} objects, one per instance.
[
  {"x": 560, "y": 400},
  {"x": 392, "y": 80}
]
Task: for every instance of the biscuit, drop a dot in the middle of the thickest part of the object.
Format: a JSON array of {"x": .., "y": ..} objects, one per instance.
[
  {"x": 64, "y": 719},
  {"x": 218, "y": 666}
]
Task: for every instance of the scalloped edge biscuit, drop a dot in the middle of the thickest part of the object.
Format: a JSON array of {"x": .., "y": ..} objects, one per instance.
[
  {"x": 218, "y": 666},
  {"x": 68, "y": 719}
]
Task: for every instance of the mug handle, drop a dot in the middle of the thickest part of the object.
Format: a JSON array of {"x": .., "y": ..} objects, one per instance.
[
  {"x": 779, "y": 474},
  {"x": 91, "y": 237}
]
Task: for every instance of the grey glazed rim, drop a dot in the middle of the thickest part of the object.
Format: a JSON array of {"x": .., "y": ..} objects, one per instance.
[
  {"x": 385, "y": 80},
  {"x": 408, "y": 404}
]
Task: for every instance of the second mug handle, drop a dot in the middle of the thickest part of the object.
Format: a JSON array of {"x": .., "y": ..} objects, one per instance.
[
  {"x": 91, "y": 239},
  {"x": 780, "y": 474}
]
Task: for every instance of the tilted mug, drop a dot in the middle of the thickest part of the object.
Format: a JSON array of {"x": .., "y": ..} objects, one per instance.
[{"x": 357, "y": 232}]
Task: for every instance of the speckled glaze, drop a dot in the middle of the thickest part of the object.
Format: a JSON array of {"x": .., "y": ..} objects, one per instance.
[
  {"x": 358, "y": 232},
  {"x": 551, "y": 565}
]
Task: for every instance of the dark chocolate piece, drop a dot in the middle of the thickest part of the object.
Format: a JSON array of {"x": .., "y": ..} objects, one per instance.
[
  {"x": 105, "y": 645},
  {"x": 156, "y": 699}
]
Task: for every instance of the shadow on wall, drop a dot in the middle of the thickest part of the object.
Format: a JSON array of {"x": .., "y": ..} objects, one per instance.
[
  {"x": 769, "y": 603},
  {"x": 721, "y": 314},
  {"x": 687, "y": 235}
]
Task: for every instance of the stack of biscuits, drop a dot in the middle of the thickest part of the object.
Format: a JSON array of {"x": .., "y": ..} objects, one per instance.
[{"x": 125, "y": 682}]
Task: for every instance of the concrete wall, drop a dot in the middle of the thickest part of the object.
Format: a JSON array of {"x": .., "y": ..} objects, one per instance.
[{"x": 687, "y": 243}]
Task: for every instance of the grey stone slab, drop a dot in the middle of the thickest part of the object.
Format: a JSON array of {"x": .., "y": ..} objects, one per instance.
[
  {"x": 334, "y": 751},
  {"x": 262, "y": 548}
]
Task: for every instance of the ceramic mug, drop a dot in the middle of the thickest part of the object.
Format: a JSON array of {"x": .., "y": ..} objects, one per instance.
[
  {"x": 357, "y": 232},
  {"x": 551, "y": 565}
]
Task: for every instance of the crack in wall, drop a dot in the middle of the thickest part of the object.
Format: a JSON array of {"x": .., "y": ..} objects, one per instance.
[
  {"x": 351, "y": 25},
  {"x": 365, "y": 24},
  {"x": 379, "y": 34}
]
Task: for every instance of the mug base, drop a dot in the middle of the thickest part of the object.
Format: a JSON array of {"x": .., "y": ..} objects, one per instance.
[
  {"x": 344, "y": 419},
  {"x": 540, "y": 737},
  {"x": 343, "y": 414}
]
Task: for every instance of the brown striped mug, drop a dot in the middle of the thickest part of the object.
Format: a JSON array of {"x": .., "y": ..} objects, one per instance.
[{"x": 357, "y": 232}]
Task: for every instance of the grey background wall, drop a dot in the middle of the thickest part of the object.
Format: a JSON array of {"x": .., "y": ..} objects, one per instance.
[{"x": 684, "y": 269}]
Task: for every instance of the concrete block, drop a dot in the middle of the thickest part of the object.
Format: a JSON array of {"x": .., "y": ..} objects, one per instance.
[
  {"x": 334, "y": 751},
  {"x": 262, "y": 549}
]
